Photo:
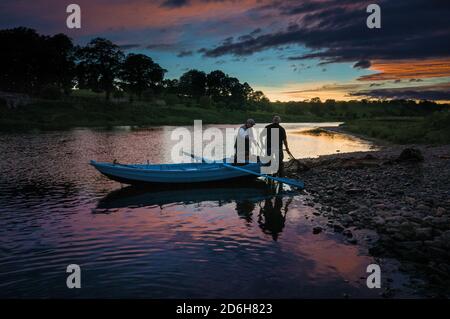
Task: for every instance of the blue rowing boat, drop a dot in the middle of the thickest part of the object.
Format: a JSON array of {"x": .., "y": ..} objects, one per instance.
[{"x": 175, "y": 173}]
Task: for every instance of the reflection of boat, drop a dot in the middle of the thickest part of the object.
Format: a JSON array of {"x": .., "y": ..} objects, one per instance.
[
  {"x": 172, "y": 173},
  {"x": 219, "y": 192}
]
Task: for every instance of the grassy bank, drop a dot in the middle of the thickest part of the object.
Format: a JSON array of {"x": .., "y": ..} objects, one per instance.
[
  {"x": 93, "y": 112},
  {"x": 433, "y": 129}
]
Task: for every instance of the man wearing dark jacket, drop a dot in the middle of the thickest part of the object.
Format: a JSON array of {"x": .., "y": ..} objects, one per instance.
[{"x": 276, "y": 128}]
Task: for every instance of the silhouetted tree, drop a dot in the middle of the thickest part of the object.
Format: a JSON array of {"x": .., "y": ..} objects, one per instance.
[
  {"x": 236, "y": 93},
  {"x": 193, "y": 84},
  {"x": 171, "y": 86},
  {"x": 140, "y": 73},
  {"x": 99, "y": 65},
  {"x": 29, "y": 62},
  {"x": 215, "y": 82}
]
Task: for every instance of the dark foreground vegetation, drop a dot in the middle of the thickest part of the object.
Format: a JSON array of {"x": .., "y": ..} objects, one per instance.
[{"x": 47, "y": 82}]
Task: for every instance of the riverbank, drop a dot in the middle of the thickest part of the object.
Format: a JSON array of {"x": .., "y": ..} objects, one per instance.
[
  {"x": 89, "y": 112},
  {"x": 433, "y": 129},
  {"x": 402, "y": 195}
]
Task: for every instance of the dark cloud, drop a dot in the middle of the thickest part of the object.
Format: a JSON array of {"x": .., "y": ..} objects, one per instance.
[
  {"x": 362, "y": 64},
  {"x": 129, "y": 46},
  {"x": 329, "y": 87},
  {"x": 174, "y": 3},
  {"x": 336, "y": 31},
  {"x": 184, "y": 53},
  {"x": 437, "y": 92},
  {"x": 162, "y": 46},
  {"x": 256, "y": 31},
  {"x": 244, "y": 37}
]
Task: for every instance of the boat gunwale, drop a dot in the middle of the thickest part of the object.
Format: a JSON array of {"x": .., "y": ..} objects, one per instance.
[{"x": 129, "y": 167}]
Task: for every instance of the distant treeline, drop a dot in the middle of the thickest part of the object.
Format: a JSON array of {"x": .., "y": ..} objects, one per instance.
[
  {"x": 356, "y": 109},
  {"x": 48, "y": 66}
]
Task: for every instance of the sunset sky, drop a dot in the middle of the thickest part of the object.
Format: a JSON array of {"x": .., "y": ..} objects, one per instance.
[{"x": 291, "y": 50}]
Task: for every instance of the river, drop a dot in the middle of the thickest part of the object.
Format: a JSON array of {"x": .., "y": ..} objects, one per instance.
[{"x": 219, "y": 241}]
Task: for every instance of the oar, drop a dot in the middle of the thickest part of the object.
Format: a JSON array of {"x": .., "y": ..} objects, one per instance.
[
  {"x": 292, "y": 182},
  {"x": 195, "y": 157},
  {"x": 300, "y": 165}
]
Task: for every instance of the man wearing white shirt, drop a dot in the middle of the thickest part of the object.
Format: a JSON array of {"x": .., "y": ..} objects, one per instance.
[{"x": 242, "y": 144}]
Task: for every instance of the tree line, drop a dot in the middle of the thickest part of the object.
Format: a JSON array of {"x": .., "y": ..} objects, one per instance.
[{"x": 42, "y": 65}]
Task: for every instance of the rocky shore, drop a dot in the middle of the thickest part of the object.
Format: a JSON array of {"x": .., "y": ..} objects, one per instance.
[{"x": 401, "y": 192}]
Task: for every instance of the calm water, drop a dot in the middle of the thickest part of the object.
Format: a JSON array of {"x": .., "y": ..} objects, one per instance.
[{"x": 220, "y": 241}]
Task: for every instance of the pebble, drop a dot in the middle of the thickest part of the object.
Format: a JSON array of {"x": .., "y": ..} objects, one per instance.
[{"x": 317, "y": 230}]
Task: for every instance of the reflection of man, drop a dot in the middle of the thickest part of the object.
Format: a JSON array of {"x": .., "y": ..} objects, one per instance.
[
  {"x": 271, "y": 219},
  {"x": 276, "y": 128},
  {"x": 244, "y": 209},
  {"x": 243, "y": 140}
]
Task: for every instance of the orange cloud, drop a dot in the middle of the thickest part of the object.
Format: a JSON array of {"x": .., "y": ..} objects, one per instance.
[
  {"x": 103, "y": 16},
  {"x": 408, "y": 69},
  {"x": 306, "y": 91}
]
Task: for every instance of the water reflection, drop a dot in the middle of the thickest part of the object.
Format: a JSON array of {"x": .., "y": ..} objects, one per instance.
[
  {"x": 246, "y": 196},
  {"x": 272, "y": 216},
  {"x": 216, "y": 241}
]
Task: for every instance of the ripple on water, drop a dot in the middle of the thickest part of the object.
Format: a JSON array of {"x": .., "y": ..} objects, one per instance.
[{"x": 57, "y": 210}]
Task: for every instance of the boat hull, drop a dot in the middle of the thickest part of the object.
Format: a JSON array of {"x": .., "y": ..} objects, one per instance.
[{"x": 173, "y": 173}]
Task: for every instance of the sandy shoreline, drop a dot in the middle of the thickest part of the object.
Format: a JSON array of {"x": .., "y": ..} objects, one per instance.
[{"x": 406, "y": 200}]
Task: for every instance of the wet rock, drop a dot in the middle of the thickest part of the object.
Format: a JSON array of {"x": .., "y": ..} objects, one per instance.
[
  {"x": 352, "y": 241},
  {"x": 317, "y": 230},
  {"x": 348, "y": 233},
  {"x": 347, "y": 220},
  {"x": 338, "y": 227}
]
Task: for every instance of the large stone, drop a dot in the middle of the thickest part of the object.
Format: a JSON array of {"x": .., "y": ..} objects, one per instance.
[
  {"x": 410, "y": 155},
  {"x": 317, "y": 230},
  {"x": 348, "y": 233}
]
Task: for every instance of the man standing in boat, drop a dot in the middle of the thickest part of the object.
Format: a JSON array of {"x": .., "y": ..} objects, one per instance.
[
  {"x": 243, "y": 142},
  {"x": 275, "y": 129}
]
